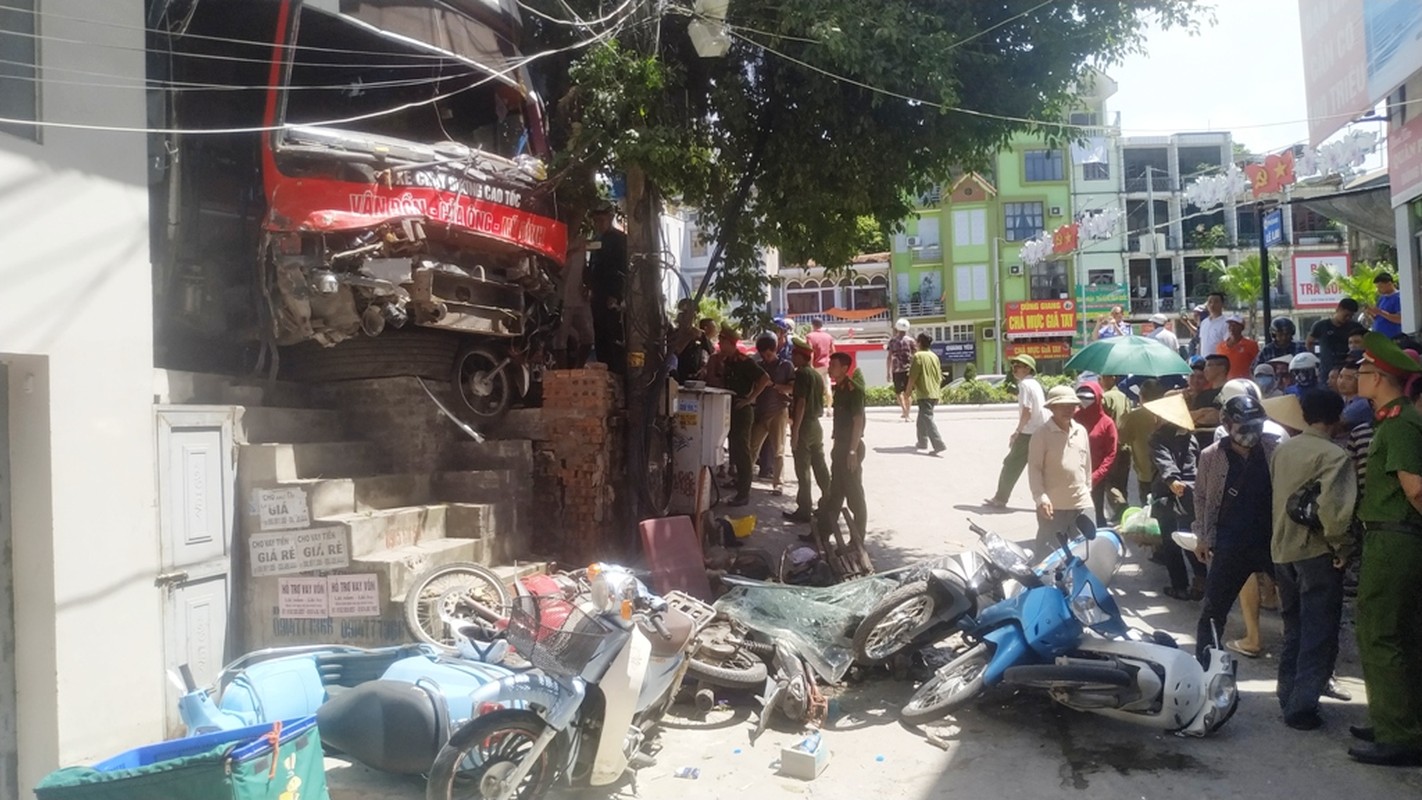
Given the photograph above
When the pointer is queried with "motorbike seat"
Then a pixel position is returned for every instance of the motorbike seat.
(391, 726)
(679, 625)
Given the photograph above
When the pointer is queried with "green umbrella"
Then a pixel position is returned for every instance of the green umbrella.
(1129, 355)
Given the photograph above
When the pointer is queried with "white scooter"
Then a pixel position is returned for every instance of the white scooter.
(1145, 680)
(608, 659)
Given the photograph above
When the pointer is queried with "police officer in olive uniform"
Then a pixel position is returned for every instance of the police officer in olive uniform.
(1390, 587)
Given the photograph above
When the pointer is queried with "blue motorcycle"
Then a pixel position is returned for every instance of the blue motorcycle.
(1045, 620)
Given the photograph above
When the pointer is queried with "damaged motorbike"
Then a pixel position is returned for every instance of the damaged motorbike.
(608, 658)
(934, 597)
(1067, 635)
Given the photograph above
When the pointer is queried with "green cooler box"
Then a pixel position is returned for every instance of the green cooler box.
(229, 765)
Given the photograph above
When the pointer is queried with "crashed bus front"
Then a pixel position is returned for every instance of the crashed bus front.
(400, 165)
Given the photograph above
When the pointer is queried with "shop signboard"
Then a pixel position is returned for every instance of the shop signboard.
(1307, 293)
(1040, 318)
(1099, 298)
(1049, 350)
(1404, 158)
(956, 352)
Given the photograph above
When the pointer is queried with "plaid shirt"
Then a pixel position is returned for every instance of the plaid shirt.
(1272, 350)
(900, 353)
(1212, 473)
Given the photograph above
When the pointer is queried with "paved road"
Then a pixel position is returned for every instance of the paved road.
(1008, 746)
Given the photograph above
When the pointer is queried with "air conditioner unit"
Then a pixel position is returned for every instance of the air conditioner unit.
(1055, 211)
(1015, 269)
(989, 334)
(915, 241)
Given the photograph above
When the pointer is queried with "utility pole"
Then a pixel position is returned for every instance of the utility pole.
(645, 331)
(997, 308)
(1150, 223)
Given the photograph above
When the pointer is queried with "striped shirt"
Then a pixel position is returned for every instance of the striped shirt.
(1358, 441)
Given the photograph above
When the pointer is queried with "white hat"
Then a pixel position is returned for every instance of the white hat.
(1235, 318)
(901, 325)
(1263, 368)
(1158, 319)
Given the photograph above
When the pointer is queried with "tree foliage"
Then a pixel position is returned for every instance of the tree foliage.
(1242, 284)
(1358, 285)
(774, 151)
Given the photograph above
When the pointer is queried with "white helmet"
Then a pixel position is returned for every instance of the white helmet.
(901, 325)
(1303, 361)
(1238, 388)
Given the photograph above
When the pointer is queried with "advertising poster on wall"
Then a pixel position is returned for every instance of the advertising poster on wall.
(1308, 294)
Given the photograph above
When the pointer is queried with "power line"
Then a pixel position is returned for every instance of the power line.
(265, 45)
(520, 63)
(178, 85)
(1009, 118)
(577, 22)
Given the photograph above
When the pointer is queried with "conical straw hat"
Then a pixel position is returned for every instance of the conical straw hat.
(1286, 411)
(1172, 409)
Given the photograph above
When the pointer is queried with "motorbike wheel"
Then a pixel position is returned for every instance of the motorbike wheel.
(1076, 677)
(482, 752)
(483, 388)
(950, 687)
(892, 623)
(446, 592)
(721, 658)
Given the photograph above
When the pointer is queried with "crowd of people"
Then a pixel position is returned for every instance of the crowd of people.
(1298, 470)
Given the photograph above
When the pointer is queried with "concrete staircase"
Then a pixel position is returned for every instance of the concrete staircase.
(307, 482)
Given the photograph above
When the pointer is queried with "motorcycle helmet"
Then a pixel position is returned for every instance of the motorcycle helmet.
(1239, 387)
(1304, 369)
(1244, 408)
(1243, 417)
(1283, 325)
(902, 324)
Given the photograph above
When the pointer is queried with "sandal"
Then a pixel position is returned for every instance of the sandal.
(1236, 646)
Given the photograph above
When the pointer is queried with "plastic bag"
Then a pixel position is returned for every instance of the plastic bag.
(1138, 524)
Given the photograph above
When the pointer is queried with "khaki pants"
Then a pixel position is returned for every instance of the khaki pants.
(824, 376)
(772, 427)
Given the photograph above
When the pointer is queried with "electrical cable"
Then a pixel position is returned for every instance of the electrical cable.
(150, 84)
(1009, 118)
(580, 22)
(210, 38)
(494, 75)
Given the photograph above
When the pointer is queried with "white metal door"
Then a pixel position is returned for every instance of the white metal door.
(9, 729)
(196, 496)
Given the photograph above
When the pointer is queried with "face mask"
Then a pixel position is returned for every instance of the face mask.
(1087, 401)
(1266, 382)
(1245, 438)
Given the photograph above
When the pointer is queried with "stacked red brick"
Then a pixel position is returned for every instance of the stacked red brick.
(583, 418)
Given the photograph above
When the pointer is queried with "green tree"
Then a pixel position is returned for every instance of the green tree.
(1358, 285)
(805, 126)
(1242, 284)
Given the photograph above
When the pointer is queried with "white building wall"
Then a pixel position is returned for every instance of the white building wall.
(76, 334)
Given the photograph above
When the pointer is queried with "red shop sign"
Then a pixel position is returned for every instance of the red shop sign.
(1041, 351)
(1041, 318)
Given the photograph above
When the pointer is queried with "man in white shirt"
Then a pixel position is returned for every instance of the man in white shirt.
(1032, 415)
(1163, 332)
(1213, 328)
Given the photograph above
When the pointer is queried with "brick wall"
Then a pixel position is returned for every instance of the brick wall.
(582, 457)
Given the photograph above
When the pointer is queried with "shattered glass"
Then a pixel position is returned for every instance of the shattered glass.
(817, 622)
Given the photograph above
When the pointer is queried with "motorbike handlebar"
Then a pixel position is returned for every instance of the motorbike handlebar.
(661, 628)
(973, 526)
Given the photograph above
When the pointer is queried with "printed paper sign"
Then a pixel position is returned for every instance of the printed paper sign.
(354, 595)
(281, 509)
(286, 552)
(302, 598)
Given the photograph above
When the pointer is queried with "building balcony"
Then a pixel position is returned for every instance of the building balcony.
(1157, 183)
(852, 318)
(914, 310)
(930, 254)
